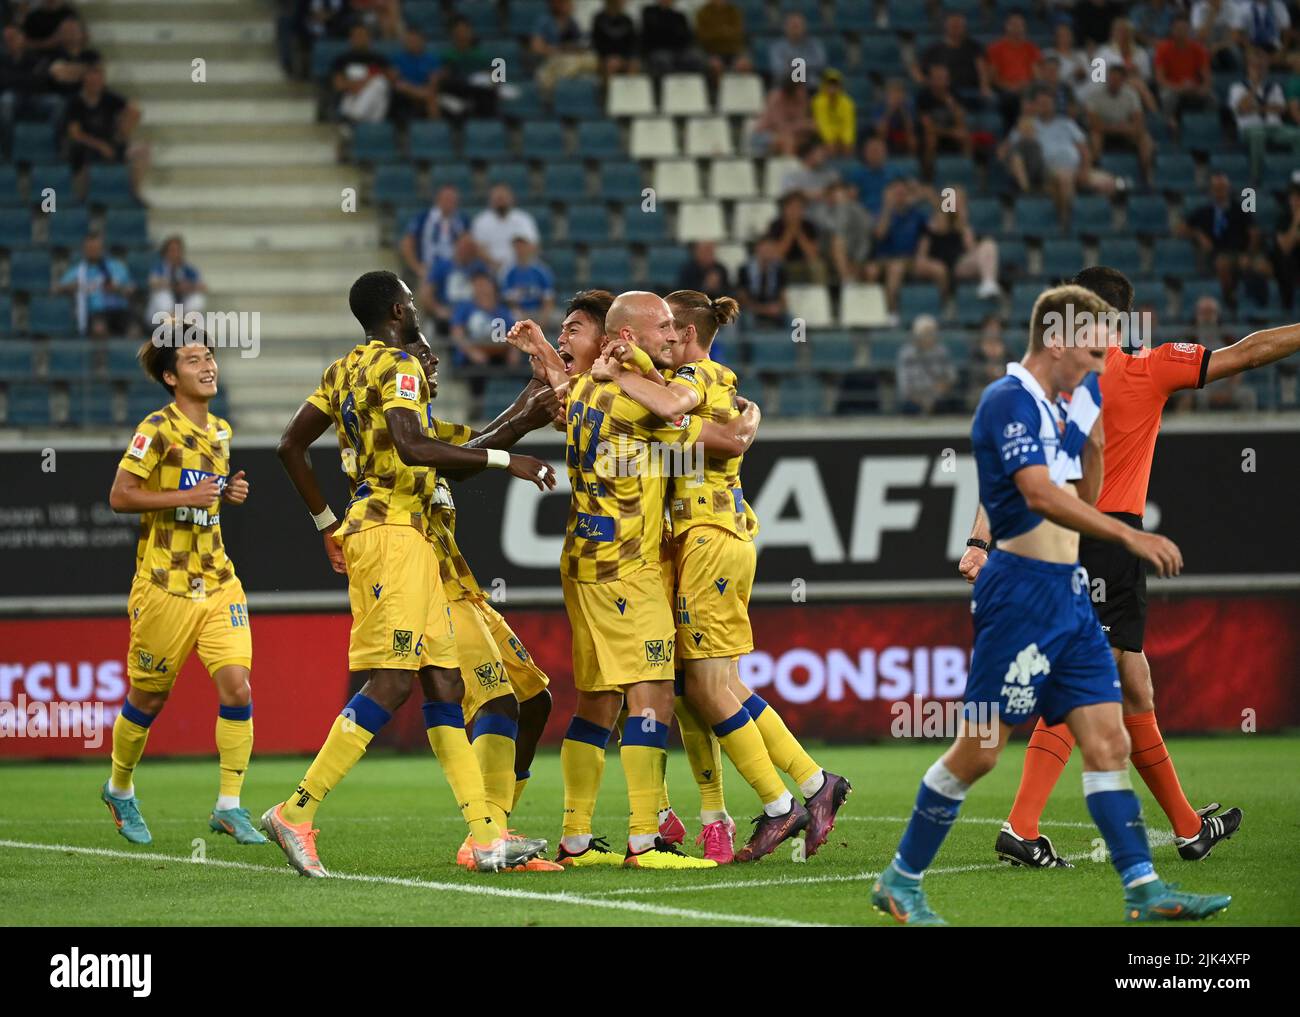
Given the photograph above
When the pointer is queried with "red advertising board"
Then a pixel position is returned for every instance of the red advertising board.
(834, 671)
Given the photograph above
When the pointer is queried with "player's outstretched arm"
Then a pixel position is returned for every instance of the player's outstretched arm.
(1051, 502)
(308, 424)
(415, 448)
(735, 436)
(1266, 346)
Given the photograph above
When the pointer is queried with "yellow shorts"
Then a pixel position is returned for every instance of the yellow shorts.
(166, 628)
(525, 676)
(715, 576)
(481, 666)
(398, 605)
(622, 631)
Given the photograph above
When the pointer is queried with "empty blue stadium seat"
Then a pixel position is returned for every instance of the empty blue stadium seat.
(110, 185)
(577, 99)
(834, 351)
(430, 140)
(645, 227)
(34, 142)
(514, 175)
(1092, 216)
(121, 361)
(563, 262)
(524, 104)
(1174, 258)
(396, 185)
(9, 186)
(15, 227)
(485, 140)
(1235, 164)
(90, 404)
(374, 143)
(55, 177)
(564, 182)
(599, 139)
(665, 263)
(609, 267)
(69, 359)
(1148, 215)
(921, 298)
(543, 140)
(621, 182)
(972, 309)
(1192, 290)
(15, 356)
(29, 271)
(28, 405)
(1175, 172)
(1202, 132)
(588, 225)
(51, 316)
(126, 227)
(954, 171)
(1061, 258)
(451, 174)
(1036, 217)
(800, 396)
(68, 227)
(773, 351)
(1122, 253)
(985, 216)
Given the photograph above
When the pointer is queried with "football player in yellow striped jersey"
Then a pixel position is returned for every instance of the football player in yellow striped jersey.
(613, 588)
(185, 596)
(713, 530)
(379, 396)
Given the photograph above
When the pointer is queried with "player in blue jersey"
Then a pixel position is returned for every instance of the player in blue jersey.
(1039, 648)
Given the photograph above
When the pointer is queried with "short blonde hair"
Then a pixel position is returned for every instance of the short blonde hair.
(1062, 302)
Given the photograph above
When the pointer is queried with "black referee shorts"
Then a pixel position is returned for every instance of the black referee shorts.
(1121, 598)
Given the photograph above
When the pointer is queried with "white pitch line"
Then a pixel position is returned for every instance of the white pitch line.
(576, 900)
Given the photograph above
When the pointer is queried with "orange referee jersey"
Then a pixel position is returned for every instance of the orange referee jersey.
(1134, 389)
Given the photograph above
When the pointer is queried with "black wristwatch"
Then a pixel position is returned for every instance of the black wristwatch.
(983, 545)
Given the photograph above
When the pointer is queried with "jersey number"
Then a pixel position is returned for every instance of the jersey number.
(578, 415)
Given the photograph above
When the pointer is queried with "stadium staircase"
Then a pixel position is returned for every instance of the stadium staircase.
(242, 169)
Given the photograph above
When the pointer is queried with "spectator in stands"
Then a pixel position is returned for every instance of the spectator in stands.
(529, 285)
(479, 326)
(557, 41)
(762, 285)
(942, 119)
(496, 227)
(797, 240)
(100, 125)
(873, 176)
(43, 21)
(1260, 23)
(925, 373)
(1259, 105)
(174, 283)
(720, 31)
(667, 40)
(988, 362)
(1048, 152)
(416, 82)
(835, 114)
(1212, 24)
(431, 235)
(363, 80)
(1076, 69)
(1093, 20)
(1049, 79)
(1226, 393)
(1116, 119)
(812, 176)
(904, 214)
(450, 281)
(845, 227)
(102, 288)
(1227, 237)
(968, 71)
(1123, 50)
(1153, 20)
(25, 85)
(1292, 88)
(465, 86)
(70, 58)
(894, 121)
(301, 23)
(1012, 62)
(1183, 71)
(1286, 248)
(949, 250)
(704, 272)
(614, 38)
(786, 121)
(796, 55)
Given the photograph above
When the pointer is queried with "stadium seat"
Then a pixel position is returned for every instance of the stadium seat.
(109, 185)
(485, 140)
(126, 227)
(833, 351)
(1148, 215)
(542, 215)
(15, 227)
(1061, 258)
(664, 265)
(1151, 293)
(676, 180)
(68, 227)
(543, 140)
(140, 263)
(1036, 217)
(1202, 132)
(1192, 290)
(396, 185)
(800, 396)
(29, 271)
(54, 177)
(683, 95)
(771, 351)
(563, 262)
(429, 141)
(1092, 216)
(732, 179)
(882, 54)
(27, 405)
(701, 220)
(34, 142)
(451, 174)
(588, 224)
(1235, 164)
(621, 182)
(374, 143)
(9, 195)
(752, 218)
(955, 171)
(708, 137)
(483, 19)
(1012, 256)
(1175, 172)
(919, 298)
(985, 216)
(1122, 253)
(1174, 258)
(609, 267)
(15, 355)
(884, 345)
(740, 95)
(90, 404)
(599, 140)
(775, 170)
(1023, 296)
(862, 305)
(577, 99)
(121, 361)
(640, 227)
(524, 104)
(972, 309)
(51, 316)
(630, 95)
(653, 138)
(68, 360)
(812, 303)
(564, 181)
(514, 175)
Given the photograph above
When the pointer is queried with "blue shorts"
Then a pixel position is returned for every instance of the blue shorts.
(1038, 645)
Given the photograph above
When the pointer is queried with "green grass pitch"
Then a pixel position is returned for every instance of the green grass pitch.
(391, 832)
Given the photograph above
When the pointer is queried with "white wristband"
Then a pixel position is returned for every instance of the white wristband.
(498, 458)
(324, 518)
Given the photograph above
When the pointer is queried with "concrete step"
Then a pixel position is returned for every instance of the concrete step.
(187, 30)
(242, 154)
(216, 91)
(126, 51)
(332, 175)
(270, 110)
(131, 76)
(358, 235)
(325, 261)
(289, 299)
(237, 133)
(165, 10)
(246, 194)
(288, 277)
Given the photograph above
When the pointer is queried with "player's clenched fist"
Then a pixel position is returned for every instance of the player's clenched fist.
(528, 468)
(202, 494)
(527, 336)
(971, 563)
(1161, 552)
(236, 489)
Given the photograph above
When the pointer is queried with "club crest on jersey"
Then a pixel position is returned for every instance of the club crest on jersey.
(401, 641)
(146, 661)
(490, 674)
(139, 445)
(408, 386)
